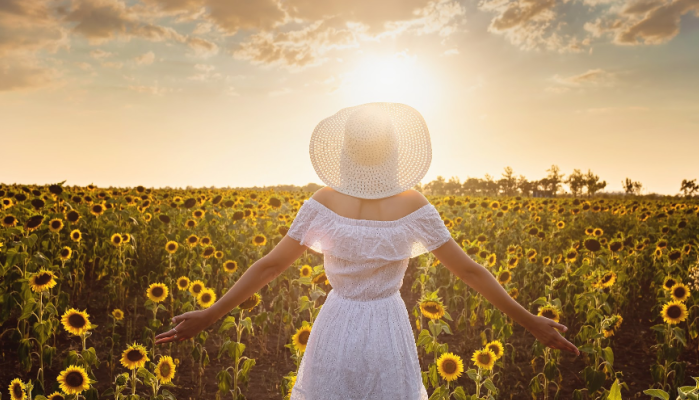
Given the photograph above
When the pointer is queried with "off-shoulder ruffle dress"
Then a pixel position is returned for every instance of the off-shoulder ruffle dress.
(361, 344)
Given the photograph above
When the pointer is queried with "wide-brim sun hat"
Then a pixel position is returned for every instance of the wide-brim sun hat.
(372, 150)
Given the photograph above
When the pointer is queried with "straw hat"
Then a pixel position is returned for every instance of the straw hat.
(371, 151)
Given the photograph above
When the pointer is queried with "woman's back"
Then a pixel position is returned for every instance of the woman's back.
(385, 209)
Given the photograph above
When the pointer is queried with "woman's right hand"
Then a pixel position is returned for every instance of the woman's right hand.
(543, 329)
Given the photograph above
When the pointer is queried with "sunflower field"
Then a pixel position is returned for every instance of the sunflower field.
(90, 275)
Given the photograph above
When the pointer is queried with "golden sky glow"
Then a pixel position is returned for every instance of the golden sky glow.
(227, 92)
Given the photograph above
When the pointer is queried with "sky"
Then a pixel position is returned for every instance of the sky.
(227, 92)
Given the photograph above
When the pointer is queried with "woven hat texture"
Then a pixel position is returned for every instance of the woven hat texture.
(372, 151)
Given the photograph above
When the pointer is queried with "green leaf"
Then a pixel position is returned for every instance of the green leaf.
(615, 391)
(459, 394)
(658, 393)
(488, 384)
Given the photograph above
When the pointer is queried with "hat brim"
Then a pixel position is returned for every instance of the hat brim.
(413, 140)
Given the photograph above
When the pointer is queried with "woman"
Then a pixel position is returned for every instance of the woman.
(368, 223)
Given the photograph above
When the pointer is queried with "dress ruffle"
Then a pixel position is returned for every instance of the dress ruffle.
(361, 240)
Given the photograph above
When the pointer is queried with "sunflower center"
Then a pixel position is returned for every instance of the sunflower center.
(670, 283)
(304, 337)
(674, 311)
(206, 298)
(495, 350)
(76, 321)
(171, 247)
(679, 292)
(449, 366)
(182, 283)
(165, 369)
(134, 355)
(431, 308)
(197, 288)
(157, 291)
(17, 391)
(65, 253)
(607, 278)
(484, 358)
(258, 239)
(42, 279)
(548, 313)
(74, 379)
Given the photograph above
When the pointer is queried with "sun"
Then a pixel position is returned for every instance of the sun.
(398, 77)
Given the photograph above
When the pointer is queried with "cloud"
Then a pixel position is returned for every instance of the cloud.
(155, 89)
(640, 22)
(450, 52)
(280, 92)
(25, 73)
(99, 53)
(145, 59)
(591, 78)
(206, 73)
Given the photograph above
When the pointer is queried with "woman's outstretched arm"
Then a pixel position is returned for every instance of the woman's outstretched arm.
(253, 279)
(480, 279)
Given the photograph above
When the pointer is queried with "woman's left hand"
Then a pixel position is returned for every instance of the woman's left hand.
(190, 324)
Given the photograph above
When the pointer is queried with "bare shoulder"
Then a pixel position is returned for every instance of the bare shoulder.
(323, 194)
(414, 198)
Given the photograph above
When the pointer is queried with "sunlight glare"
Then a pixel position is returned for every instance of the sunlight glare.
(396, 78)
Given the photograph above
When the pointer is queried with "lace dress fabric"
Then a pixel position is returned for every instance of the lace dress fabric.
(361, 344)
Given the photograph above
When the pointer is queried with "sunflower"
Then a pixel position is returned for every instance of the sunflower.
(75, 235)
(190, 223)
(65, 253)
(512, 262)
(157, 292)
(72, 216)
(320, 278)
(208, 251)
(496, 348)
(33, 222)
(301, 338)
(134, 357)
(17, 390)
(192, 240)
(680, 292)
(674, 312)
(259, 239)
(669, 282)
(250, 303)
(42, 280)
(183, 283)
(147, 217)
(611, 324)
(126, 238)
(97, 209)
(76, 322)
(205, 241)
(592, 244)
(7, 203)
(561, 224)
(73, 380)
(513, 292)
(55, 225)
(165, 370)
(196, 287)
(206, 298)
(504, 277)
(116, 239)
(450, 366)
(608, 279)
(491, 260)
(118, 314)
(484, 358)
(56, 396)
(171, 247)
(432, 309)
(9, 221)
(305, 271)
(230, 266)
(550, 312)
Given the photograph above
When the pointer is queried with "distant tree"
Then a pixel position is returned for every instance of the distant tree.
(489, 186)
(593, 183)
(472, 186)
(554, 180)
(437, 186)
(689, 188)
(453, 187)
(576, 182)
(508, 184)
(526, 187)
(632, 187)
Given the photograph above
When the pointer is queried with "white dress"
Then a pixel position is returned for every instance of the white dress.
(361, 344)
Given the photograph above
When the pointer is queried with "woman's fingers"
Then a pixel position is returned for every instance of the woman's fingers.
(166, 334)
